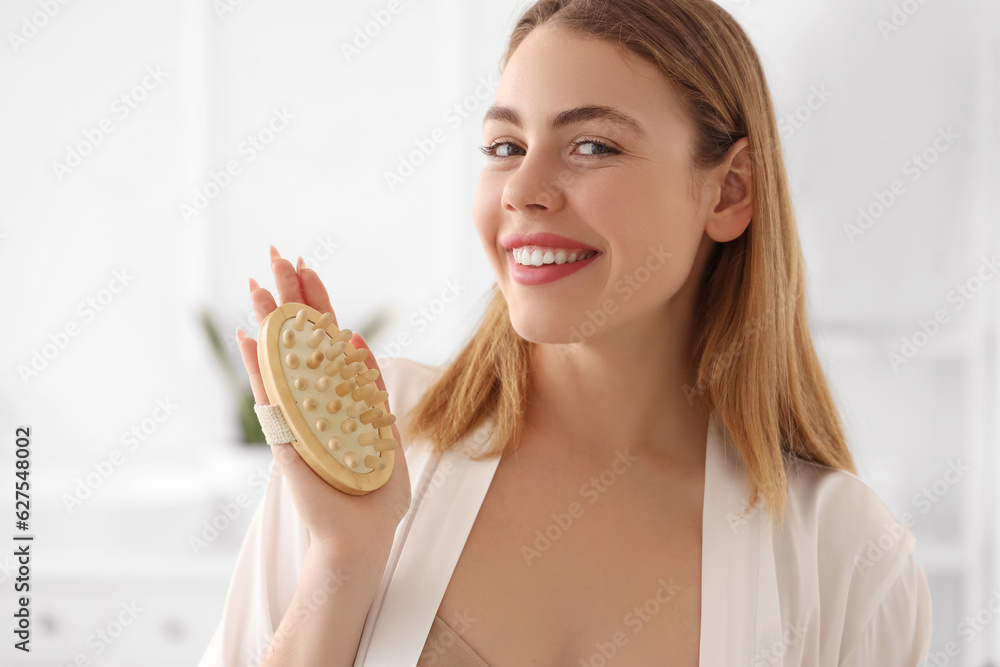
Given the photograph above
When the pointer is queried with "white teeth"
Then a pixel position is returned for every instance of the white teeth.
(533, 256)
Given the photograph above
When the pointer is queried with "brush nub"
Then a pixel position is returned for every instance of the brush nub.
(351, 370)
(375, 462)
(324, 321)
(334, 367)
(383, 421)
(357, 355)
(288, 338)
(377, 397)
(336, 350)
(364, 391)
(315, 338)
(385, 444)
(369, 375)
(300, 320)
(344, 336)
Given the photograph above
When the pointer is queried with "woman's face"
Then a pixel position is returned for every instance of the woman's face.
(620, 190)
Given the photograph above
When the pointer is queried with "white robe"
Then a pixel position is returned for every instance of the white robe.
(837, 586)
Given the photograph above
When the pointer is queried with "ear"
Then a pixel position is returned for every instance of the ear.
(732, 202)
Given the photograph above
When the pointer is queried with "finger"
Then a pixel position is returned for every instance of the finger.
(314, 291)
(294, 468)
(285, 279)
(248, 350)
(262, 301)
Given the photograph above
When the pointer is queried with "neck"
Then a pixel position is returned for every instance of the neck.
(630, 386)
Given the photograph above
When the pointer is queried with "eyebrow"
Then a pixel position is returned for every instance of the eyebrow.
(570, 116)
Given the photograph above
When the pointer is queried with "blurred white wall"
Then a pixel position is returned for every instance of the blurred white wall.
(117, 115)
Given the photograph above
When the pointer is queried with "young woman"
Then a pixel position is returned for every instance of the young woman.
(636, 459)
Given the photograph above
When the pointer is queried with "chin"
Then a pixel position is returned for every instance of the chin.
(542, 327)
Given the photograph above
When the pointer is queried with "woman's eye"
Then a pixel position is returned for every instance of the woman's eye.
(499, 149)
(597, 148)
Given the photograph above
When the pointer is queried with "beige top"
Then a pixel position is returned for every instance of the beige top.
(446, 648)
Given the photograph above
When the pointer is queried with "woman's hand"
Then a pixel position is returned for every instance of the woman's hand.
(340, 525)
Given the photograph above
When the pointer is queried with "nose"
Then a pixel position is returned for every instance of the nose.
(535, 185)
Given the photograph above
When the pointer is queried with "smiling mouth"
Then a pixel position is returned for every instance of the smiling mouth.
(541, 256)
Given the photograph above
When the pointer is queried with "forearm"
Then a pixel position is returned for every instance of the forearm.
(324, 621)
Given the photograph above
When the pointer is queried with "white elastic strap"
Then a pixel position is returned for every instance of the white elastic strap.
(272, 422)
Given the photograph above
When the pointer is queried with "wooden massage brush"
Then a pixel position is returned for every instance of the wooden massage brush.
(328, 398)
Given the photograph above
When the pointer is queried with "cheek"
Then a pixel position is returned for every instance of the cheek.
(486, 209)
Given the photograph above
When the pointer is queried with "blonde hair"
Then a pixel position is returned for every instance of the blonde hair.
(756, 366)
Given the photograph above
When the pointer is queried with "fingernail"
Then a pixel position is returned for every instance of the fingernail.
(274, 254)
(239, 334)
(253, 285)
(301, 265)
